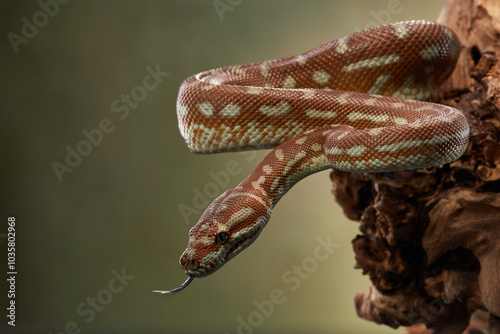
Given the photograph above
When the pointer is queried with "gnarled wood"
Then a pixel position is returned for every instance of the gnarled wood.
(430, 237)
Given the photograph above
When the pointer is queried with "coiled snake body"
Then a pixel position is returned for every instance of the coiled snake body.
(350, 104)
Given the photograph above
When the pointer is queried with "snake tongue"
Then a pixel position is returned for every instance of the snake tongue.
(182, 286)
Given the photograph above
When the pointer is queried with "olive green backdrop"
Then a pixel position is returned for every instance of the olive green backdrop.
(126, 206)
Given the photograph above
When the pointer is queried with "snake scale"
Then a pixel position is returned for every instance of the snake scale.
(355, 104)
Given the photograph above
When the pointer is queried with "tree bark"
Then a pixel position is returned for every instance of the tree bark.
(430, 238)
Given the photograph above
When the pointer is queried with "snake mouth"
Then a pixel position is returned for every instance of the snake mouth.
(235, 248)
(245, 238)
(243, 241)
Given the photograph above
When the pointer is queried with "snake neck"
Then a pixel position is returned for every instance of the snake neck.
(286, 165)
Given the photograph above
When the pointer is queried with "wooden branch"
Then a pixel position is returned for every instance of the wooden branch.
(431, 237)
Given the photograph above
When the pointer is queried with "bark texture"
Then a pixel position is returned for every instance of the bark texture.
(430, 239)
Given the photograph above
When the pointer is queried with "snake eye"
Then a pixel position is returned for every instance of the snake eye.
(221, 238)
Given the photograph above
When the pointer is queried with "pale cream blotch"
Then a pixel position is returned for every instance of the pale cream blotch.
(343, 98)
(257, 185)
(267, 169)
(301, 141)
(321, 114)
(398, 105)
(278, 153)
(289, 82)
(379, 83)
(430, 52)
(206, 108)
(308, 93)
(371, 63)
(375, 131)
(301, 60)
(230, 111)
(316, 147)
(281, 108)
(321, 77)
(255, 90)
(342, 46)
(209, 87)
(264, 69)
(400, 120)
(400, 29)
(370, 102)
(358, 116)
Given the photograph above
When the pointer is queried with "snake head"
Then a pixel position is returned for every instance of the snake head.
(229, 225)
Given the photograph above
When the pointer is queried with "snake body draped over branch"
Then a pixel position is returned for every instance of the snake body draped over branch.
(356, 104)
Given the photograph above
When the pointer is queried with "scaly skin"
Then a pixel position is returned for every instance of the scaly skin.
(320, 109)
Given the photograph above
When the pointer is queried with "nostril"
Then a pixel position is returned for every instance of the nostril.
(188, 262)
(184, 260)
(192, 265)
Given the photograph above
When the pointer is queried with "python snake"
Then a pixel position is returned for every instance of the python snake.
(354, 104)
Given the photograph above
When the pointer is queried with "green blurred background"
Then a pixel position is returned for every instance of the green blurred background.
(119, 208)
